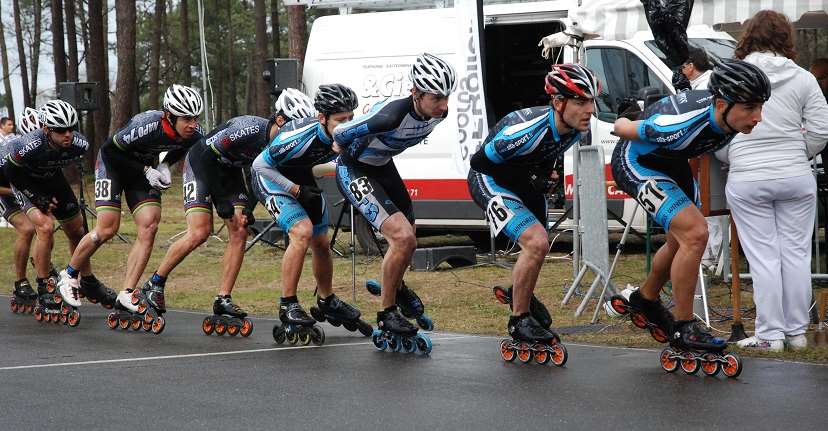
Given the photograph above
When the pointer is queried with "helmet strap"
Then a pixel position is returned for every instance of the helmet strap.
(724, 116)
(561, 113)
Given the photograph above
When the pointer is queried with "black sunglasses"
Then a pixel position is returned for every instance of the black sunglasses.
(62, 130)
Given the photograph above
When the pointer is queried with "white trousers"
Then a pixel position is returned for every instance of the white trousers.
(775, 222)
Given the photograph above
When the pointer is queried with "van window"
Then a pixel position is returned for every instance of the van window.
(716, 48)
(622, 75)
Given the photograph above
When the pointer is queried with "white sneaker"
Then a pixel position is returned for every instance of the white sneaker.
(626, 294)
(68, 288)
(125, 299)
(796, 342)
(757, 343)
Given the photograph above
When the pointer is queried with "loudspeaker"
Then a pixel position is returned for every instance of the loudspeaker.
(82, 95)
(281, 73)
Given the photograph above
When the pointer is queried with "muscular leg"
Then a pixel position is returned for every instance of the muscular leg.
(660, 272)
(322, 264)
(105, 228)
(233, 252)
(399, 233)
(534, 244)
(44, 229)
(198, 230)
(23, 244)
(73, 228)
(146, 219)
(294, 258)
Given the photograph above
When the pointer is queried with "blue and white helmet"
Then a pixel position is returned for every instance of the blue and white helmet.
(432, 74)
(58, 114)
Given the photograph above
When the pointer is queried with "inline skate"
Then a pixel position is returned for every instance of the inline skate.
(338, 312)
(96, 292)
(139, 309)
(24, 298)
(408, 302)
(693, 348)
(51, 307)
(295, 326)
(644, 314)
(395, 333)
(227, 317)
(530, 340)
(536, 308)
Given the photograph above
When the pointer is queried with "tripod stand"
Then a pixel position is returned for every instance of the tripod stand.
(352, 246)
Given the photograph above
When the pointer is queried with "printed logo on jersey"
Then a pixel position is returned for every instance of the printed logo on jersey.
(139, 132)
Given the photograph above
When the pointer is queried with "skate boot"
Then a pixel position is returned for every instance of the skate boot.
(69, 288)
(139, 308)
(51, 307)
(24, 298)
(644, 314)
(338, 312)
(536, 308)
(692, 347)
(395, 333)
(96, 292)
(227, 317)
(408, 302)
(295, 326)
(531, 340)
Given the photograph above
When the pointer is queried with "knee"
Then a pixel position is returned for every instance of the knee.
(301, 234)
(237, 231)
(536, 245)
(198, 236)
(696, 238)
(26, 231)
(104, 233)
(44, 230)
(404, 239)
(147, 231)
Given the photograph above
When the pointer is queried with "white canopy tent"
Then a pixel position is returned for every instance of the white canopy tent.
(621, 19)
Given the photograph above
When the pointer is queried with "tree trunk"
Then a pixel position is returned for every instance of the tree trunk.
(58, 47)
(250, 90)
(262, 94)
(72, 40)
(105, 18)
(125, 89)
(274, 23)
(21, 54)
(231, 51)
(6, 73)
(297, 33)
(186, 64)
(155, 53)
(38, 11)
(96, 72)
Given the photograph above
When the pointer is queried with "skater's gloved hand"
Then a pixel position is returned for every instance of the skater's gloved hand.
(46, 204)
(310, 197)
(164, 169)
(155, 178)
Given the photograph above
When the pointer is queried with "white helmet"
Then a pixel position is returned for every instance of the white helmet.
(29, 120)
(183, 101)
(294, 104)
(432, 74)
(58, 114)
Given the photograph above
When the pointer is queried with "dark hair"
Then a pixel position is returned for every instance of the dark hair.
(4, 120)
(767, 31)
(821, 64)
(699, 59)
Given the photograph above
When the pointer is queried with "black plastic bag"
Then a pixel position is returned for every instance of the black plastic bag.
(668, 21)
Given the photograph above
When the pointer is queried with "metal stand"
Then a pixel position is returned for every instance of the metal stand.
(213, 235)
(618, 250)
(352, 245)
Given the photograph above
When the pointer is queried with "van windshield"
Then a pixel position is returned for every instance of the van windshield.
(716, 48)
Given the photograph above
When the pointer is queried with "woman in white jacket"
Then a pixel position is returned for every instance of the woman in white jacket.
(771, 189)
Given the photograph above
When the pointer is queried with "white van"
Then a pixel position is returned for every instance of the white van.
(371, 52)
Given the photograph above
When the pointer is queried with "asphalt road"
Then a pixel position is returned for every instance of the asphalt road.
(91, 377)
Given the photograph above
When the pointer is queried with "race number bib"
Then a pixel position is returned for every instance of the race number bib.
(498, 215)
(651, 197)
(190, 191)
(103, 189)
(272, 207)
(360, 188)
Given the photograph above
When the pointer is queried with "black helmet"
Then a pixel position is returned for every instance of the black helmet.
(334, 98)
(738, 81)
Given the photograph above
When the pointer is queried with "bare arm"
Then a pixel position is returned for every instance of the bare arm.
(626, 129)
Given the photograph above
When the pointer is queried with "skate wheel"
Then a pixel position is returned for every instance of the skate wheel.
(64, 309)
(221, 327)
(58, 299)
(668, 361)
(374, 287)
(425, 322)
(407, 345)
(146, 326)
(349, 326)
(378, 340)
(423, 344)
(317, 335)
(64, 318)
(336, 323)
(38, 315)
(305, 337)
(524, 353)
(148, 318)
(233, 330)
(92, 300)
(394, 343)
(54, 317)
(291, 337)
(733, 365)
(135, 298)
(29, 309)
(559, 355)
(638, 320)
(318, 315)
(542, 356)
(618, 304)
(207, 326)
(501, 295)
(158, 325)
(142, 308)
(112, 321)
(709, 365)
(136, 324)
(278, 334)
(506, 352)
(658, 334)
(246, 328)
(365, 329)
(13, 306)
(690, 364)
(123, 323)
(73, 319)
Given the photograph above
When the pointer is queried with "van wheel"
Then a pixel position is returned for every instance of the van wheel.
(482, 242)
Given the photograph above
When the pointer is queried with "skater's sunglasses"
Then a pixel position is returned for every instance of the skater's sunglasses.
(62, 130)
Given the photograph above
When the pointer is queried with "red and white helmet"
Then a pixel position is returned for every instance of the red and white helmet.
(572, 81)
(29, 121)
